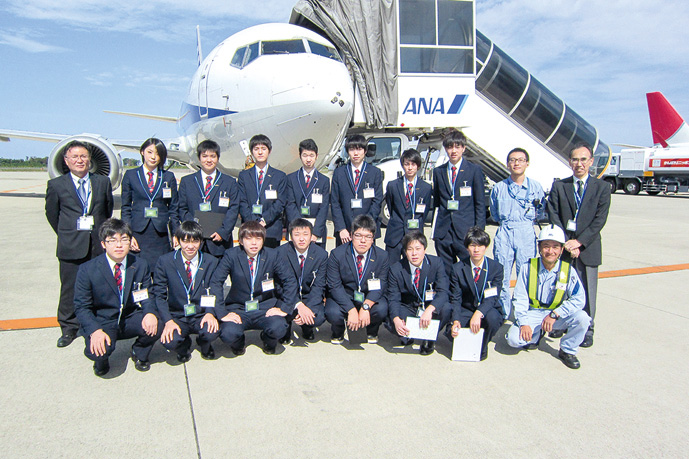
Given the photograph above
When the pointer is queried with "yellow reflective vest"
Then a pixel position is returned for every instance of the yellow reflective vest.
(560, 287)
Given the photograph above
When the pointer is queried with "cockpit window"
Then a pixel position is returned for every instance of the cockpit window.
(325, 51)
(283, 47)
(252, 53)
(238, 58)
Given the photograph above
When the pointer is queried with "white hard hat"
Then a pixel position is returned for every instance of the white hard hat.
(552, 233)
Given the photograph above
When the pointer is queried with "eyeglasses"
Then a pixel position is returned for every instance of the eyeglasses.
(77, 157)
(123, 241)
(365, 237)
(516, 161)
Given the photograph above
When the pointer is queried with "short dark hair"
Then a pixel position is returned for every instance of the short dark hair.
(518, 150)
(413, 236)
(308, 144)
(252, 228)
(356, 141)
(208, 145)
(477, 236)
(159, 146)
(75, 144)
(260, 139)
(300, 223)
(113, 226)
(411, 155)
(581, 145)
(365, 222)
(189, 230)
(454, 137)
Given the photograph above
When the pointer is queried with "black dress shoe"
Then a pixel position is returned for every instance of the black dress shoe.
(210, 355)
(101, 370)
(570, 360)
(141, 365)
(308, 334)
(427, 347)
(287, 338)
(588, 341)
(66, 339)
(268, 350)
(183, 358)
(557, 334)
(484, 356)
(239, 351)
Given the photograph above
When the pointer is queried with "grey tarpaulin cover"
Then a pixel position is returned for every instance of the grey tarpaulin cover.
(365, 32)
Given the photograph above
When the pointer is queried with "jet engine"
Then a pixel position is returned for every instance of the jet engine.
(105, 158)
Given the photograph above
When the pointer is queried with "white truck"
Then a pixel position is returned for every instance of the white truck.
(653, 170)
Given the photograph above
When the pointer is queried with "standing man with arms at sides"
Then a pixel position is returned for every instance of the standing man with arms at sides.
(549, 296)
(308, 192)
(409, 201)
(357, 280)
(149, 202)
(308, 263)
(76, 205)
(209, 190)
(458, 193)
(516, 204)
(580, 205)
(181, 289)
(112, 300)
(474, 290)
(263, 192)
(418, 287)
(263, 291)
(357, 190)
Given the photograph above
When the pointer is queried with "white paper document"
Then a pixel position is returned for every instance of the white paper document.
(467, 346)
(416, 332)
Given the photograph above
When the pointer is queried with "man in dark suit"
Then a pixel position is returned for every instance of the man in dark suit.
(112, 300)
(357, 280)
(182, 294)
(475, 290)
(308, 192)
(209, 190)
(409, 202)
(458, 194)
(418, 287)
(580, 205)
(357, 190)
(308, 263)
(76, 205)
(263, 191)
(254, 300)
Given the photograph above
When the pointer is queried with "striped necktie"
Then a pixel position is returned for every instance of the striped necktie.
(209, 185)
(151, 183)
(417, 274)
(410, 188)
(477, 274)
(118, 276)
(301, 262)
(188, 263)
(359, 265)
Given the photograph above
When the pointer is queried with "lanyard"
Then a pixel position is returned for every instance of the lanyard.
(145, 187)
(351, 180)
(203, 194)
(449, 176)
(193, 279)
(578, 199)
(523, 202)
(305, 193)
(480, 297)
(259, 188)
(253, 276)
(363, 272)
(85, 204)
(424, 282)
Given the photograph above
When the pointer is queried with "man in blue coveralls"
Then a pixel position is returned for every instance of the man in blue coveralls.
(516, 204)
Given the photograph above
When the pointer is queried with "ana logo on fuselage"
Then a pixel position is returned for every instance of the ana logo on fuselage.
(431, 106)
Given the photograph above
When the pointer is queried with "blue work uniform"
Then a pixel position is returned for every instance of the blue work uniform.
(571, 314)
(511, 206)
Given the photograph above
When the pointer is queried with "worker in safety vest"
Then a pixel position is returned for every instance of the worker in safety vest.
(549, 296)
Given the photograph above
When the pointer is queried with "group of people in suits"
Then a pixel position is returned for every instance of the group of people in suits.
(358, 285)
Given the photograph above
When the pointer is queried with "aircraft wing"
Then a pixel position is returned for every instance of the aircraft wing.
(6, 135)
(626, 145)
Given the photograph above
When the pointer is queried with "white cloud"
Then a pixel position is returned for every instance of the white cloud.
(21, 41)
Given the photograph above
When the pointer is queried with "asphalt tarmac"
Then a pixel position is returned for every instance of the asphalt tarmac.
(628, 399)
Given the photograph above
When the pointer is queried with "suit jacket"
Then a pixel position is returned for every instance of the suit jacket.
(272, 208)
(343, 193)
(63, 209)
(136, 197)
(235, 264)
(190, 198)
(343, 275)
(396, 198)
(401, 293)
(591, 219)
(97, 299)
(169, 287)
(312, 290)
(463, 293)
(296, 188)
(472, 209)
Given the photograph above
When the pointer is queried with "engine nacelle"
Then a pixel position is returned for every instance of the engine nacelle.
(105, 158)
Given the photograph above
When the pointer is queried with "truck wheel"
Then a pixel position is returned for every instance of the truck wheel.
(612, 183)
(384, 214)
(632, 187)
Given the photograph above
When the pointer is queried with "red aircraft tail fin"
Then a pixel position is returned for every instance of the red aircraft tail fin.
(667, 126)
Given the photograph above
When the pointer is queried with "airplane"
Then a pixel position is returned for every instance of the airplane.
(280, 80)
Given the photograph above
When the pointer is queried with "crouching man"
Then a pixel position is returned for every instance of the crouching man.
(549, 296)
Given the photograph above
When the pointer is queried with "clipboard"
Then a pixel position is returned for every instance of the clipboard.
(211, 222)
(467, 346)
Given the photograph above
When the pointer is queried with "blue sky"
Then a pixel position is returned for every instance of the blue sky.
(65, 62)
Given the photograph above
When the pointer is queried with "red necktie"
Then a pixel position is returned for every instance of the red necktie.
(356, 178)
(260, 179)
(477, 274)
(209, 185)
(118, 276)
(417, 274)
(308, 180)
(151, 184)
(410, 187)
(188, 271)
(454, 175)
(251, 266)
(359, 265)
(301, 262)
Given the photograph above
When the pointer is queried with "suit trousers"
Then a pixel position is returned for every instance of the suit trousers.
(576, 326)
(450, 248)
(190, 325)
(129, 327)
(337, 316)
(273, 328)
(65, 309)
(318, 311)
(443, 315)
(589, 277)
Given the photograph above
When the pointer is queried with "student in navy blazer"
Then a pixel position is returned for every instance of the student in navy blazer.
(417, 287)
(308, 192)
(357, 279)
(308, 264)
(254, 300)
(357, 189)
(209, 190)
(460, 205)
(112, 300)
(475, 287)
(181, 279)
(149, 202)
(409, 202)
(263, 191)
